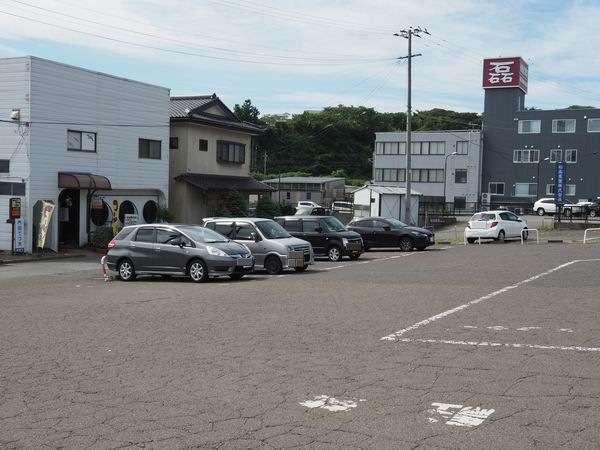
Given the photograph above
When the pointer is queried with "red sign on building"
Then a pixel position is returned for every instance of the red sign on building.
(505, 73)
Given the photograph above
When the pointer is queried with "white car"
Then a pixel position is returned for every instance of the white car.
(548, 206)
(342, 207)
(307, 203)
(497, 225)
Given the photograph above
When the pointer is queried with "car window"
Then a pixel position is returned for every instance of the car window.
(203, 234)
(125, 232)
(245, 232)
(505, 216)
(310, 226)
(293, 225)
(226, 229)
(210, 225)
(332, 224)
(145, 235)
(484, 217)
(395, 223)
(364, 224)
(272, 230)
(512, 217)
(379, 224)
(166, 236)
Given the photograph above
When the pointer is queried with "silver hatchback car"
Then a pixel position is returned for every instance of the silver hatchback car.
(188, 250)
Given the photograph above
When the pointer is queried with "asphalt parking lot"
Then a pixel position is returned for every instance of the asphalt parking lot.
(491, 346)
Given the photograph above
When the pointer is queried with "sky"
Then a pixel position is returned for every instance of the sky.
(289, 56)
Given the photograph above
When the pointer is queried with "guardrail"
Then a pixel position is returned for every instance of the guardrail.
(529, 230)
(585, 234)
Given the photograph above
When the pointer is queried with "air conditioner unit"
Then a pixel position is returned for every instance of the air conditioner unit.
(486, 198)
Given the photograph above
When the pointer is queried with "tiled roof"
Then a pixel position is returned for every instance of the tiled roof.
(179, 105)
(211, 182)
(311, 180)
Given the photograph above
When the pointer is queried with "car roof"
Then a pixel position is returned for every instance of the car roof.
(302, 217)
(236, 219)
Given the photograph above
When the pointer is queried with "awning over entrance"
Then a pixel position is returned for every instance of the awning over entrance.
(224, 183)
(77, 180)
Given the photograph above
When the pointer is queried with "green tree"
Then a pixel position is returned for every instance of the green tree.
(265, 207)
(236, 204)
(247, 112)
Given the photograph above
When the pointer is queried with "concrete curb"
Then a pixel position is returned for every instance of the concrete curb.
(39, 259)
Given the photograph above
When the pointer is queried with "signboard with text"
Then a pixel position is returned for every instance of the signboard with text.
(19, 236)
(505, 73)
(130, 219)
(14, 208)
(559, 183)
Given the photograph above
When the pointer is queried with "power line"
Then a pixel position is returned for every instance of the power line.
(90, 124)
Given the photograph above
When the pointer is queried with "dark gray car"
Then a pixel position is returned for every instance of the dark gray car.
(188, 250)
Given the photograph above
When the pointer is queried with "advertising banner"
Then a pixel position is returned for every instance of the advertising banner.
(47, 210)
(130, 219)
(19, 236)
(505, 73)
(14, 208)
(559, 184)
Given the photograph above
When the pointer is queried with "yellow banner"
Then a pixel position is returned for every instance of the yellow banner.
(47, 210)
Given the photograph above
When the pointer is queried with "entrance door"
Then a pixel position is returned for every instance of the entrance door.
(68, 216)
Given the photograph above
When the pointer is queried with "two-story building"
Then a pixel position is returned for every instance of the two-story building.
(210, 156)
(321, 190)
(92, 145)
(445, 165)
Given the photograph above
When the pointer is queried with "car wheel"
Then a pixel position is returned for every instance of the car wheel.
(540, 211)
(593, 213)
(197, 271)
(273, 265)
(525, 234)
(126, 270)
(334, 253)
(301, 269)
(501, 236)
(237, 276)
(471, 240)
(406, 244)
(354, 255)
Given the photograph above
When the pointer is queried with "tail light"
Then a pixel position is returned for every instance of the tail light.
(493, 225)
(111, 244)
(468, 224)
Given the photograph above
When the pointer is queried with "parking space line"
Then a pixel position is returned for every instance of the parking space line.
(397, 334)
(500, 344)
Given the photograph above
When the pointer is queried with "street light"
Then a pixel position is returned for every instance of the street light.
(537, 180)
(445, 170)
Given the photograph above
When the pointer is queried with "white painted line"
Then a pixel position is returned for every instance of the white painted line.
(528, 328)
(330, 403)
(397, 334)
(467, 416)
(499, 344)
(565, 330)
(497, 328)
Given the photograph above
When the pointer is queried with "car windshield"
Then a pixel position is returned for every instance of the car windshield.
(272, 230)
(333, 224)
(395, 223)
(304, 211)
(483, 217)
(205, 235)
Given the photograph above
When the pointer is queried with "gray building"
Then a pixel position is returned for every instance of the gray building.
(521, 146)
(446, 165)
(321, 190)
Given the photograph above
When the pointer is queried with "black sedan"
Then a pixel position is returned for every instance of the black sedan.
(378, 232)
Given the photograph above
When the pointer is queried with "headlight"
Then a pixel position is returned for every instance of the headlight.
(416, 233)
(345, 242)
(215, 251)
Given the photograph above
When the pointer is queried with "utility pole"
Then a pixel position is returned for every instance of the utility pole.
(408, 34)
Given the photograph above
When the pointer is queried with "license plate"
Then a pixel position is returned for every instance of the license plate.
(354, 247)
(246, 262)
(431, 239)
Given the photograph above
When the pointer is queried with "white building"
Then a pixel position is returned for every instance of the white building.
(385, 201)
(82, 140)
(446, 165)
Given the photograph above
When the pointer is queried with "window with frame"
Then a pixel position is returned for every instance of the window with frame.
(309, 195)
(555, 155)
(81, 141)
(496, 188)
(530, 126)
(231, 152)
(149, 149)
(462, 147)
(4, 165)
(526, 156)
(593, 125)
(460, 176)
(288, 195)
(390, 175)
(173, 143)
(460, 202)
(525, 189)
(245, 232)
(7, 188)
(203, 145)
(293, 225)
(570, 189)
(571, 156)
(563, 126)
(427, 175)
(145, 235)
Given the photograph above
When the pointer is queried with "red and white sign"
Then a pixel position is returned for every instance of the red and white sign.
(505, 73)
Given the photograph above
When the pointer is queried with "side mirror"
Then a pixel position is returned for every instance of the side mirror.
(519, 219)
(255, 237)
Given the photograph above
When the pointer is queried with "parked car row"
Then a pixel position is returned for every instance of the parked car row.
(234, 247)
(548, 206)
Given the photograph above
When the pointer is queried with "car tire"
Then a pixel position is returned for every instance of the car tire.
(406, 244)
(126, 270)
(301, 269)
(471, 240)
(501, 236)
(273, 265)
(334, 253)
(525, 234)
(197, 271)
(540, 211)
(237, 276)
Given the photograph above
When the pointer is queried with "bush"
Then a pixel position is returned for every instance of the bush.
(287, 209)
(236, 204)
(265, 208)
(101, 237)
(164, 215)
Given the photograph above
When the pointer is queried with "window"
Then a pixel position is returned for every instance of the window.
(555, 155)
(245, 232)
(4, 165)
(203, 145)
(149, 212)
(563, 126)
(379, 148)
(12, 188)
(390, 175)
(166, 236)
(460, 202)
(460, 176)
(226, 229)
(145, 235)
(415, 148)
(462, 147)
(496, 188)
(569, 189)
(310, 226)
(571, 155)
(428, 148)
(525, 189)
(293, 225)
(82, 141)
(390, 148)
(593, 126)
(526, 156)
(174, 143)
(437, 148)
(309, 196)
(530, 126)
(99, 216)
(149, 149)
(126, 208)
(428, 175)
(288, 195)
(232, 152)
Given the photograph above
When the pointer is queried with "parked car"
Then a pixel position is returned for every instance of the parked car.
(189, 250)
(307, 203)
(311, 211)
(497, 225)
(378, 232)
(342, 207)
(548, 206)
(327, 235)
(589, 208)
(272, 246)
